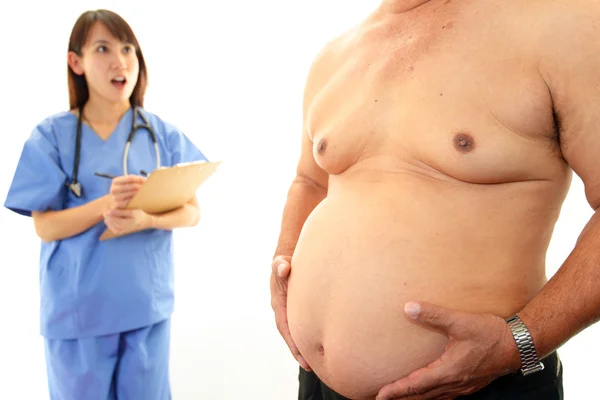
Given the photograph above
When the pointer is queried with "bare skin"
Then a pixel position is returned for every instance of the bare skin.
(63, 224)
(439, 142)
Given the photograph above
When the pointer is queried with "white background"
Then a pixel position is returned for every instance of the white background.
(231, 75)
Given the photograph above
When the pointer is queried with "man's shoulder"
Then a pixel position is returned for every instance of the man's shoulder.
(567, 16)
(569, 7)
(334, 47)
(566, 31)
(328, 58)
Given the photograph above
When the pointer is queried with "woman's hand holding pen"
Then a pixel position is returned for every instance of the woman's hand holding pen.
(123, 189)
(117, 218)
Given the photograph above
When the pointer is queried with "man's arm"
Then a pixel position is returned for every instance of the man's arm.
(307, 190)
(309, 187)
(570, 301)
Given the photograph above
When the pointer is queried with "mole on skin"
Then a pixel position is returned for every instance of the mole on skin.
(322, 146)
(464, 142)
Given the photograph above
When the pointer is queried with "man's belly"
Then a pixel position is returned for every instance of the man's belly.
(364, 253)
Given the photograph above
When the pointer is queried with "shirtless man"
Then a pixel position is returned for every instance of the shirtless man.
(438, 146)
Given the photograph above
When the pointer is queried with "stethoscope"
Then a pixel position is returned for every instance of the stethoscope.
(75, 185)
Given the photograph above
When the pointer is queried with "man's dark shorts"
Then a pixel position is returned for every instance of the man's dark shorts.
(542, 385)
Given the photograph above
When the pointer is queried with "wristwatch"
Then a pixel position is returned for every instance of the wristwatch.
(530, 362)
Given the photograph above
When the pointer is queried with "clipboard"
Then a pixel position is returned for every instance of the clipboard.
(168, 188)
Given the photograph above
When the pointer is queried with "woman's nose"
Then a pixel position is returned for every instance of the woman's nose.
(119, 61)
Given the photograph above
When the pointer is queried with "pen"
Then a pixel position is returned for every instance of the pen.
(100, 174)
(104, 175)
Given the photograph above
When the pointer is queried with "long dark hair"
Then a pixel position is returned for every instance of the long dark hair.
(118, 27)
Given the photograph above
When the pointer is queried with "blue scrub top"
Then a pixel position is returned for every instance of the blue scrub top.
(91, 288)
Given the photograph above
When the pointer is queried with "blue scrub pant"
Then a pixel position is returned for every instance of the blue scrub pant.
(132, 365)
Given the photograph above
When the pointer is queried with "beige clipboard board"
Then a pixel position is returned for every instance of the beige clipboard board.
(168, 188)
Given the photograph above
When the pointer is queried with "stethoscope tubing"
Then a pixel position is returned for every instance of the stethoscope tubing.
(75, 185)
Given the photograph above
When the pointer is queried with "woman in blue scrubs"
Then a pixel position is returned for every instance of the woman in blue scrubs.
(105, 305)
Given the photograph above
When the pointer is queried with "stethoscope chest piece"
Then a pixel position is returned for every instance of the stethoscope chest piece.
(75, 188)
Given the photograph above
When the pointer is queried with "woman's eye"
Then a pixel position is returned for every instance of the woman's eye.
(128, 49)
(102, 49)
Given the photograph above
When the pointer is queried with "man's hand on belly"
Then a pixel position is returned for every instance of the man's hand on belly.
(280, 271)
(480, 349)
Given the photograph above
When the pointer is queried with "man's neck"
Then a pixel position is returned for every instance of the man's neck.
(401, 6)
(100, 111)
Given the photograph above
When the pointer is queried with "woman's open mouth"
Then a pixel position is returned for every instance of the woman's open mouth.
(119, 82)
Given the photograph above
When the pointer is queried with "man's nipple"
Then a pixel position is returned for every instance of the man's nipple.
(464, 142)
(322, 146)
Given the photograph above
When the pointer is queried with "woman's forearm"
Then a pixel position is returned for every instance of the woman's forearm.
(57, 225)
(184, 216)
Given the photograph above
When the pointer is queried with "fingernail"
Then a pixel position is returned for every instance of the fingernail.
(412, 310)
(280, 268)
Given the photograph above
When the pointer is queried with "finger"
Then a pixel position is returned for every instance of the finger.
(124, 179)
(124, 189)
(121, 182)
(121, 213)
(418, 382)
(123, 196)
(281, 268)
(112, 225)
(121, 204)
(125, 193)
(432, 315)
(281, 258)
(116, 218)
(431, 395)
(122, 201)
(284, 330)
(436, 394)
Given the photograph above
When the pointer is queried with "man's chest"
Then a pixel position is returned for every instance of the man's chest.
(472, 107)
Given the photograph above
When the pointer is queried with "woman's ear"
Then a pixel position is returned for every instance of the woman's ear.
(74, 61)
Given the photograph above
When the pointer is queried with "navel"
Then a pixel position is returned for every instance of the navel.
(322, 146)
(464, 142)
(321, 350)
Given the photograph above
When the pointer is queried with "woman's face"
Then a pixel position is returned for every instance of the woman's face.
(110, 67)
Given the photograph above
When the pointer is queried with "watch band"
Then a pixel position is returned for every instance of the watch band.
(530, 362)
